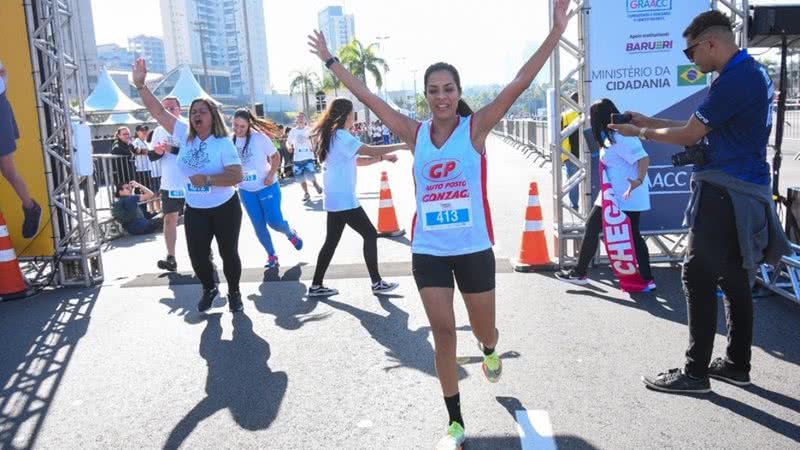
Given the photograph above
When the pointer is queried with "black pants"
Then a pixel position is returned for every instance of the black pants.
(714, 259)
(591, 238)
(222, 223)
(357, 220)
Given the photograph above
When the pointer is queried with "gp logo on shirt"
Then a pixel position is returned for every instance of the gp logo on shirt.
(442, 170)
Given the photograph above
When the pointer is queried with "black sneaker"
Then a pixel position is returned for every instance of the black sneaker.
(307, 197)
(321, 291)
(207, 299)
(319, 189)
(235, 301)
(677, 382)
(383, 287)
(720, 369)
(573, 277)
(33, 217)
(169, 264)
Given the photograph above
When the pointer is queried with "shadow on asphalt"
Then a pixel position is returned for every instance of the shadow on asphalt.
(404, 347)
(774, 323)
(287, 301)
(788, 429)
(400, 240)
(128, 241)
(239, 378)
(38, 340)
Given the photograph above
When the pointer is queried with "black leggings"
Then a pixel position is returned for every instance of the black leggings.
(222, 223)
(591, 238)
(358, 221)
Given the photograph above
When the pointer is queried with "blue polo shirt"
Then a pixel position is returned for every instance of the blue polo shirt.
(738, 109)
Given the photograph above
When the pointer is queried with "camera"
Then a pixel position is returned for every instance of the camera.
(618, 119)
(693, 154)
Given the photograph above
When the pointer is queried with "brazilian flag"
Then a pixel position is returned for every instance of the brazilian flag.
(690, 75)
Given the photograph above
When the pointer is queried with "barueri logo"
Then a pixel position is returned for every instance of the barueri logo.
(690, 75)
(635, 6)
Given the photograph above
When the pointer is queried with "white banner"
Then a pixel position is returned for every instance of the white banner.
(636, 53)
(637, 61)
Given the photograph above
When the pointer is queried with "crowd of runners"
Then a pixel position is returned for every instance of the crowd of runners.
(208, 173)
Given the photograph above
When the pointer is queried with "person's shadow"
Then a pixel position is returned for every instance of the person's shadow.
(239, 379)
(287, 301)
(404, 347)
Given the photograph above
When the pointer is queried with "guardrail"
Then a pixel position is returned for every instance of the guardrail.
(783, 278)
(109, 170)
(527, 135)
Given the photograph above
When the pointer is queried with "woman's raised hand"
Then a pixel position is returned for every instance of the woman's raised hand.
(560, 16)
(318, 46)
(139, 72)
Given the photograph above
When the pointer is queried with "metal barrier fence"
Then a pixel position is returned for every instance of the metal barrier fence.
(791, 129)
(109, 171)
(528, 135)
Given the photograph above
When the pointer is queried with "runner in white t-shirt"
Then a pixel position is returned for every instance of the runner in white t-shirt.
(302, 150)
(260, 191)
(209, 160)
(340, 154)
(452, 239)
(171, 189)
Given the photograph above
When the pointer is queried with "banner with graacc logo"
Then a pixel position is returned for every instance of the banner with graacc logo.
(637, 61)
(28, 156)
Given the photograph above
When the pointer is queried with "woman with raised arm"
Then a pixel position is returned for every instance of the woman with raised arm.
(340, 154)
(452, 231)
(209, 160)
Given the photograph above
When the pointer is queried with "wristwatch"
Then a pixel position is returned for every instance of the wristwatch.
(643, 133)
(331, 62)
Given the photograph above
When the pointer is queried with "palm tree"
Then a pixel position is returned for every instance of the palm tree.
(305, 82)
(331, 83)
(360, 60)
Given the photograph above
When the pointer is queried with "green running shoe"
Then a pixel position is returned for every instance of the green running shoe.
(454, 439)
(492, 367)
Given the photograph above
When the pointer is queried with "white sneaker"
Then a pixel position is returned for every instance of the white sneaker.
(383, 287)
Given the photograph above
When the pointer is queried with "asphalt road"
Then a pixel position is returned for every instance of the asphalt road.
(131, 365)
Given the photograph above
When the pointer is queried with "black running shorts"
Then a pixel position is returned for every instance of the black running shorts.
(171, 205)
(474, 272)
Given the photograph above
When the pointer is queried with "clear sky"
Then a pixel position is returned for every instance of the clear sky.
(486, 44)
(487, 40)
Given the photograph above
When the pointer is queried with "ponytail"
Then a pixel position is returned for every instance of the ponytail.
(463, 108)
(263, 126)
(334, 118)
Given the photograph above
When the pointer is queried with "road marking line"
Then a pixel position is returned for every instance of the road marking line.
(535, 430)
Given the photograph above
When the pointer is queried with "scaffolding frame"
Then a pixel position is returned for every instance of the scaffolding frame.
(77, 260)
(672, 243)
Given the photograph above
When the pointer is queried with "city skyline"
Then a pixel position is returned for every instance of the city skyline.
(411, 27)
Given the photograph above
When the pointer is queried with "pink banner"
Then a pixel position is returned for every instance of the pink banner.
(618, 239)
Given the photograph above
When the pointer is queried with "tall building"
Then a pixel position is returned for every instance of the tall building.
(114, 57)
(85, 44)
(339, 28)
(152, 49)
(219, 34)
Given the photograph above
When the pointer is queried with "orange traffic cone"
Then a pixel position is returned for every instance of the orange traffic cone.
(12, 283)
(387, 219)
(533, 252)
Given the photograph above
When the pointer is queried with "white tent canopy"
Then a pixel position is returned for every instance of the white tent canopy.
(121, 119)
(187, 88)
(107, 97)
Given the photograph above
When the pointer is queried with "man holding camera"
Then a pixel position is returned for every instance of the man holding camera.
(731, 215)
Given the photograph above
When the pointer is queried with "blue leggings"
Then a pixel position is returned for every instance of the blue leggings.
(264, 208)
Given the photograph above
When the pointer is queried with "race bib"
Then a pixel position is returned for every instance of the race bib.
(197, 189)
(176, 194)
(448, 214)
(250, 176)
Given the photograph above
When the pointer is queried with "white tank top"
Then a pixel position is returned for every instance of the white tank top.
(453, 215)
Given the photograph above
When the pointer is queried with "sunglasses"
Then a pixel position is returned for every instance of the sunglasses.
(689, 51)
